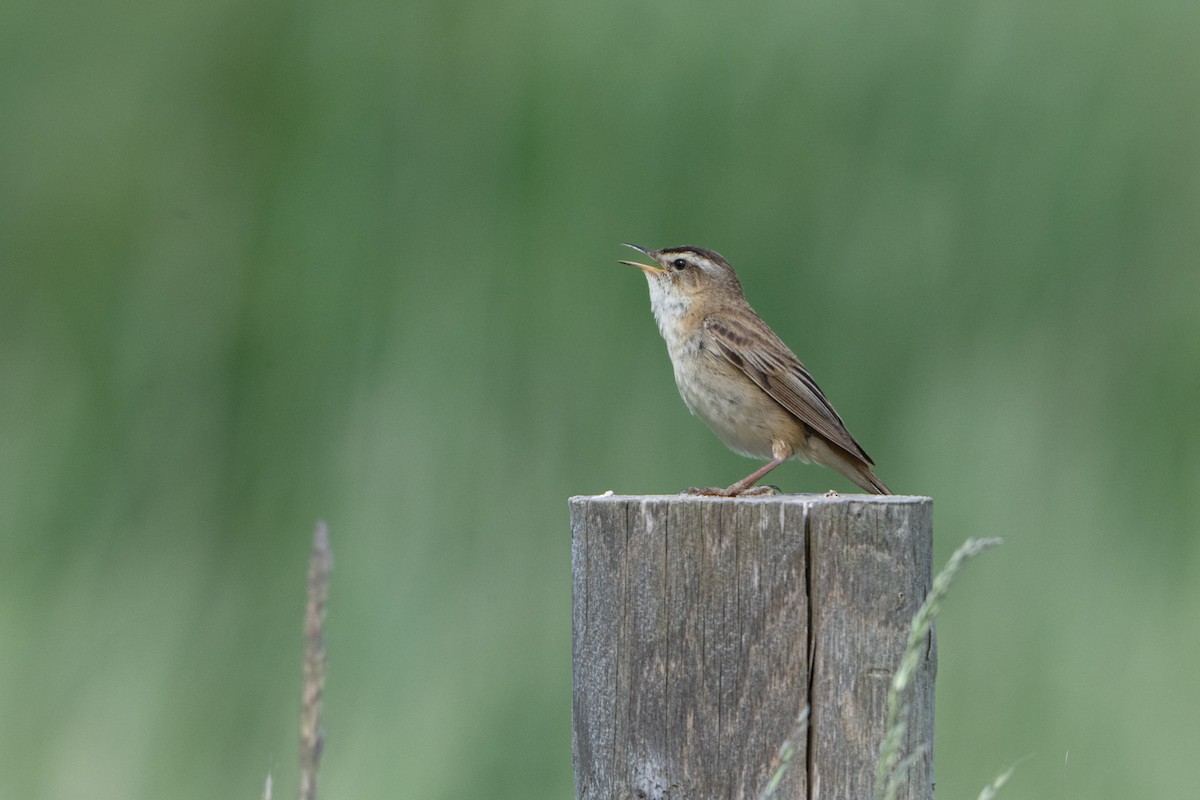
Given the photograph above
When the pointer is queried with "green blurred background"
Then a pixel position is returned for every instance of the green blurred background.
(264, 263)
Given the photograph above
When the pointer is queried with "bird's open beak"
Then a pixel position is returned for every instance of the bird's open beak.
(646, 268)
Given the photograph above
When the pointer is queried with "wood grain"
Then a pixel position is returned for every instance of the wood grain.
(703, 627)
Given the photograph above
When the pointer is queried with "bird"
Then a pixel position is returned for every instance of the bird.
(737, 375)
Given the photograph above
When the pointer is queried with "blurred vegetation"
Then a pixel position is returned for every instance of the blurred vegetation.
(267, 262)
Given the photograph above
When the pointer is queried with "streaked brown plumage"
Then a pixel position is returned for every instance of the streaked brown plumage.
(739, 377)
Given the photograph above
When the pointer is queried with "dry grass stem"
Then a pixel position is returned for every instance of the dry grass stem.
(890, 771)
(312, 738)
(786, 752)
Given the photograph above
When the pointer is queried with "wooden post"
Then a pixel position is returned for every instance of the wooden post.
(703, 627)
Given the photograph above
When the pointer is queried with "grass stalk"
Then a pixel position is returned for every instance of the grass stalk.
(312, 737)
(890, 771)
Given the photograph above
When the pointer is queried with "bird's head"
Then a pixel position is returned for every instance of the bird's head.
(687, 273)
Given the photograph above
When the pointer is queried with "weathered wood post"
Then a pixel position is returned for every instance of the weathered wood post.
(703, 627)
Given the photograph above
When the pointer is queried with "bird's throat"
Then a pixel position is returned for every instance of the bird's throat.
(669, 308)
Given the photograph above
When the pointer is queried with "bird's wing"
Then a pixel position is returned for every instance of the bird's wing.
(771, 365)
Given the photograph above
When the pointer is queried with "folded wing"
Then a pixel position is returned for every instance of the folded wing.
(780, 374)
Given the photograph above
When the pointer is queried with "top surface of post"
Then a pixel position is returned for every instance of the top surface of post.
(833, 499)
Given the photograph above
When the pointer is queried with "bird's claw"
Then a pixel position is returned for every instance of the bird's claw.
(717, 491)
(708, 491)
(761, 491)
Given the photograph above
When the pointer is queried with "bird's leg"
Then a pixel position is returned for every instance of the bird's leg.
(745, 483)
(781, 451)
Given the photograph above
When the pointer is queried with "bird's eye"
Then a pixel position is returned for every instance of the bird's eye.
(679, 263)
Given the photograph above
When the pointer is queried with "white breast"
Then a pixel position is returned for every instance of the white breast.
(668, 307)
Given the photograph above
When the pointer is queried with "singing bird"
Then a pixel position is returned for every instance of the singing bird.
(734, 373)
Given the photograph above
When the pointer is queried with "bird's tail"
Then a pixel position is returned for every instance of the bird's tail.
(866, 479)
(850, 465)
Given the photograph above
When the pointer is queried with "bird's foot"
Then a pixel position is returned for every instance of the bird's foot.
(732, 491)
(761, 491)
(708, 491)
